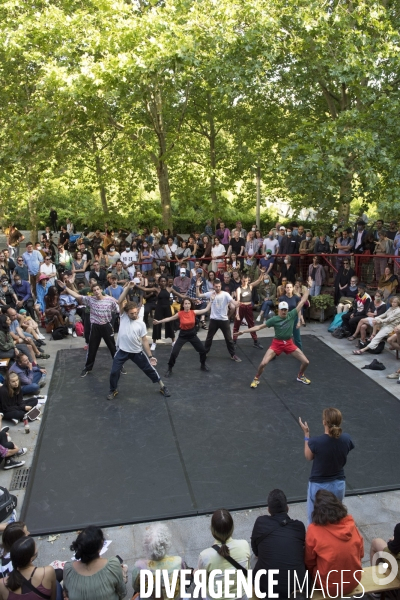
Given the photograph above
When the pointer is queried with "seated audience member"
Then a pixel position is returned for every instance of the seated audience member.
(224, 547)
(21, 337)
(392, 546)
(90, 576)
(8, 450)
(99, 274)
(267, 296)
(281, 289)
(182, 281)
(359, 309)
(23, 292)
(156, 543)
(12, 404)
(388, 283)
(68, 306)
(53, 309)
(387, 322)
(114, 289)
(121, 274)
(348, 297)
(228, 285)
(7, 295)
(9, 348)
(394, 342)
(278, 543)
(376, 309)
(42, 288)
(333, 545)
(13, 532)
(30, 377)
(23, 553)
(30, 327)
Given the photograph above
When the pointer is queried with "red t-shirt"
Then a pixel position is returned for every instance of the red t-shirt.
(187, 319)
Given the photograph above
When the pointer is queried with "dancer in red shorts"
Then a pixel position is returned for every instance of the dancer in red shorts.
(282, 342)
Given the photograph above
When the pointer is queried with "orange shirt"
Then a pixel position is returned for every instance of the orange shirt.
(187, 319)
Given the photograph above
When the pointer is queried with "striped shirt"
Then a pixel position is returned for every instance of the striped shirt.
(101, 311)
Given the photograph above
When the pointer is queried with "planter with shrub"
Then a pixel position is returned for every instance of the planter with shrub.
(322, 307)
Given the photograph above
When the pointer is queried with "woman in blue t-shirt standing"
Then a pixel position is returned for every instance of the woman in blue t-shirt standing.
(329, 455)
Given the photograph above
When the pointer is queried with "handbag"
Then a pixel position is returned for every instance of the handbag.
(231, 560)
(7, 503)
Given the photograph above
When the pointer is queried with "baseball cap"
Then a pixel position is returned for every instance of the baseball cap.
(199, 271)
(183, 271)
(268, 251)
(282, 228)
(43, 276)
(362, 285)
(283, 305)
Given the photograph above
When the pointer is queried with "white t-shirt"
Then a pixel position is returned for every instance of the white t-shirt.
(170, 249)
(49, 269)
(130, 334)
(219, 305)
(272, 245)
(128, 257)
(217, 251)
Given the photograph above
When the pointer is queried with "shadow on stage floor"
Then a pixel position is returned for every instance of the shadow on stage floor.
(214, 443)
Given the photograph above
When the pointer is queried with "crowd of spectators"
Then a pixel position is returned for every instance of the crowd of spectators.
(258, 270)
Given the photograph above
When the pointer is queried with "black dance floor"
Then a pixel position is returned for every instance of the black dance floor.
(214, 443)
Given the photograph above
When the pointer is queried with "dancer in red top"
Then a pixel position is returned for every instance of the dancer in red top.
(188, 333)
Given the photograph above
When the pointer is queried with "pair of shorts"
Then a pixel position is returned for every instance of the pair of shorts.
(286, 346)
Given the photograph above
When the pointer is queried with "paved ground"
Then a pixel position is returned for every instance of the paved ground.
(375, 514)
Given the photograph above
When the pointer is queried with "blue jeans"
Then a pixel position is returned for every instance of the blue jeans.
(32, 388)
(337, 487)
(267, 306)
(139, 358)
(315, 290)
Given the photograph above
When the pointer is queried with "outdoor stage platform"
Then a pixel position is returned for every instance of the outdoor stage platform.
(214, 443)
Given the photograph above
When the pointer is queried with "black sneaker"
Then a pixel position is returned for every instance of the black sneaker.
(13, 464)
(5, 429)
(165, 391)
(123, 371)
(112, 394)
(168, 373)
(257, 345)
(84, 373)
(204, 367)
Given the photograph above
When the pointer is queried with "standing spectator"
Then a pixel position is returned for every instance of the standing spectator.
(391, 232)
(321, 244)
(21, 269)
(217, 254)
(396, 248)
(208, 230)
(359, 238)
(345, 244)
(64, 237)
(30, 377)
(225, 553)
(64, 258)
(316, 277)
(271, 243)
(54, 219)
(49, 269)
(242, 232)
(99, 274)
(130, 256)
(237, 246)
(90, 576)
(70, 227)
(112, 255)
(329, 455)
(78, 267)
(278, 543)
(379, 229)
(14, 239)
(32, 259)
(224, 235)
(333, 540)
(289, 243)
(383, 248)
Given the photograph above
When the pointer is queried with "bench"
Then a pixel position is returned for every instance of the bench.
(368, 584)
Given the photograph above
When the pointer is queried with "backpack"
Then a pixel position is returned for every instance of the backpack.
(79, 329)
(7, 503)
(59, 333)
(340, 333)
(380, 348)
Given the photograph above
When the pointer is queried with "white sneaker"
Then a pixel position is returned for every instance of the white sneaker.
(259, 318)
(15, 421)
(173, 344)
(74, 334)
(70, 330)
(153, 346)
(41, 336)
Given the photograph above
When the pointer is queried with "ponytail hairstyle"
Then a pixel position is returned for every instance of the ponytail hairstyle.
(88, 544)
(332, 418)
(222, 529)
(22, 552)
